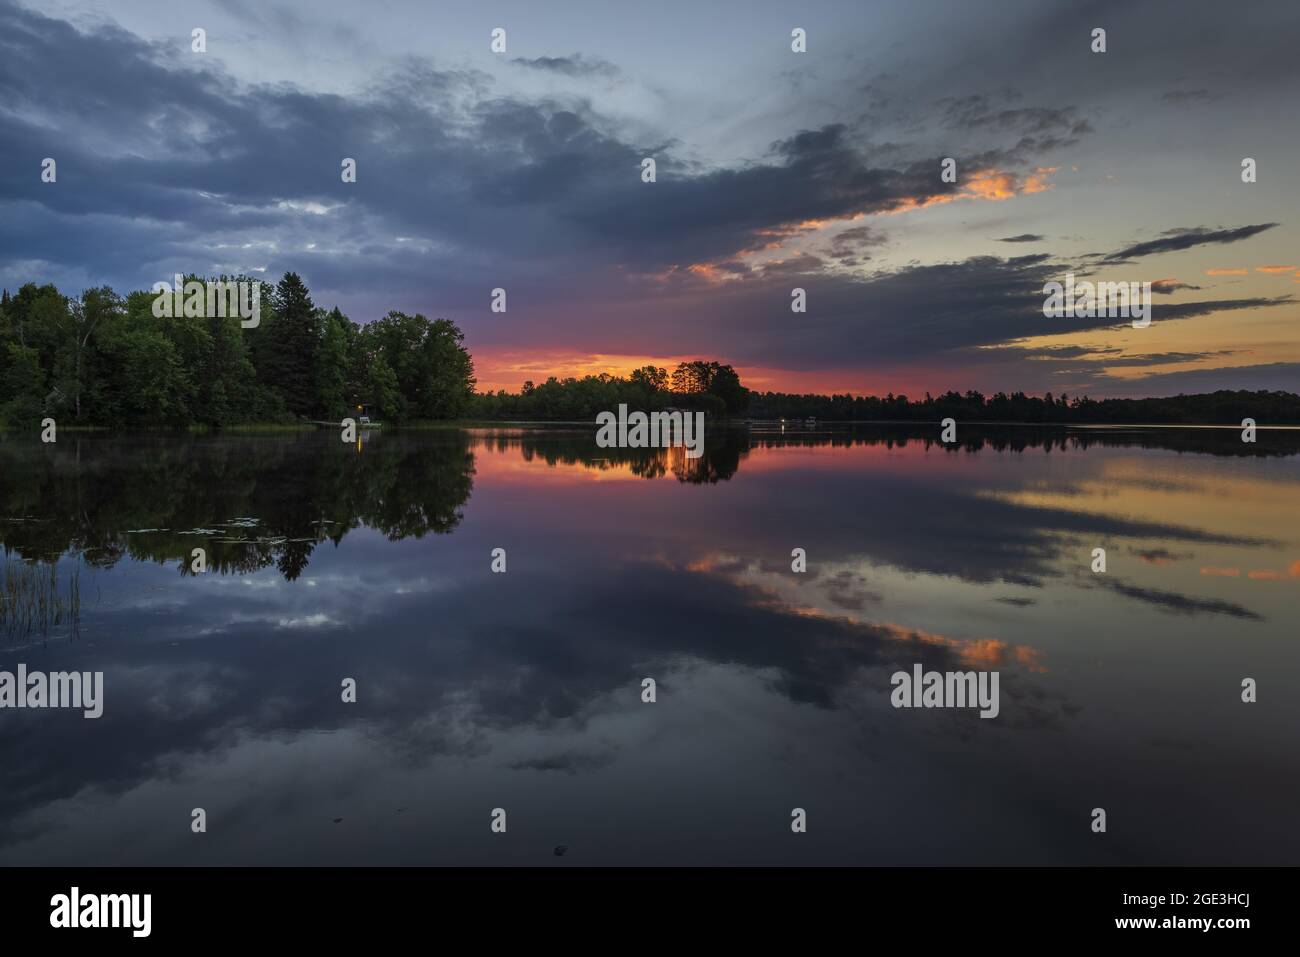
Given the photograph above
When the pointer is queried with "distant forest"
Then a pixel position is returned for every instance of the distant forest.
(1214, 408)
(104, 360)
(717, 389)
(101, 359)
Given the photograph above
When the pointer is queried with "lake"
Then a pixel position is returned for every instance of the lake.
(479, 690)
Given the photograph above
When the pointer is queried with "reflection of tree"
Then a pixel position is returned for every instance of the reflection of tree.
(973, 437)
(252, 502)
(723, 449)
(249, 502)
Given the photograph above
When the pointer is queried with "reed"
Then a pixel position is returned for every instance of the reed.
(32, 601)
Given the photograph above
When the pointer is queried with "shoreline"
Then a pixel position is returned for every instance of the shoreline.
(792, 423)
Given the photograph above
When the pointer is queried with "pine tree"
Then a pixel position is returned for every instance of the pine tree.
(290, 346)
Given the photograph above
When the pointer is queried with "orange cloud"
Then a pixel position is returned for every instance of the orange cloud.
(706, 272)
(1255, 574)
(1226, 272)
(1276, 269)
(987, 184)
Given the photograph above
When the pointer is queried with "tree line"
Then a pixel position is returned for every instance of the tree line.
(708, 386)
(717, 389)
(105, 359)
(1222, 407)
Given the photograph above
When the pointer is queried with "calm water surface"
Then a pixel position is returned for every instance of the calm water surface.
(523, 690)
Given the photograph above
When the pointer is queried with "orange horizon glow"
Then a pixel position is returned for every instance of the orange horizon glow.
(509, 371)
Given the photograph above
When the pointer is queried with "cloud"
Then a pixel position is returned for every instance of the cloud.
(1172, 240)
(575, 65)
(1184, 604)
(456, 182)
(1165, 287)
(1270, 376)
(470, 179)
(976, 111)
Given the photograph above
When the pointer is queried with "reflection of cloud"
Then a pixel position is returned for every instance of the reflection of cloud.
(569, 762)
(844, 591)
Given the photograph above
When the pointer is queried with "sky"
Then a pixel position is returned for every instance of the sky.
(775, 170)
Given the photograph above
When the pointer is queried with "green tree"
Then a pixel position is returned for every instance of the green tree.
(434, 373)
(79, 322)
(331, 364)
(23, 385)
(447, 377)
(724, 382)
(382, 388)
(288, 346)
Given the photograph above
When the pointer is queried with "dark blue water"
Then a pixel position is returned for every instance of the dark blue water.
(523, 690)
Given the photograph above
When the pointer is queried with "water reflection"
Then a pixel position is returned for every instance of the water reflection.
(522, 690)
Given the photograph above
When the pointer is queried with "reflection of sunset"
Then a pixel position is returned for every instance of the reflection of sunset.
(776, 595)
(499, 456)
(1164, 491)
(1186, 535)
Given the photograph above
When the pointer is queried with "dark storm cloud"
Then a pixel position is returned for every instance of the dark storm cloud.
(938, 314)
(1173, 240)
(193, 165)
(166, 162)
(813, 175)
